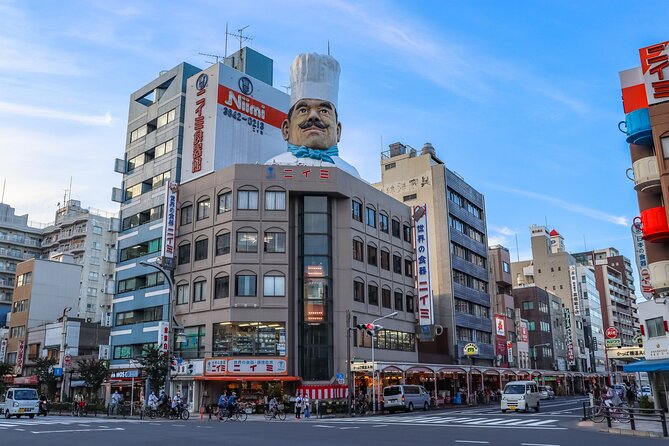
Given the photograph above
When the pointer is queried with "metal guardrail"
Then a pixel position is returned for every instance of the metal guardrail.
(635, 415)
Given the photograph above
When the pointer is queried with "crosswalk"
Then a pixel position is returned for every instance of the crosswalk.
(445, 420)
(27, 424)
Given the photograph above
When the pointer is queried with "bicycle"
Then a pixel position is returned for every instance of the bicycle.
(619, 413)
(160, 411)
(361, 408)
(181, 411)
(278, 412)
(238, 414)
(78, 409)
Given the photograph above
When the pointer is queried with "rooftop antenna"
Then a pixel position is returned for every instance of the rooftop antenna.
(240, 36)
(226, 39)
(585, 246)
(215, 56)
(329, 48)
(517, 250)
(4, 184)
(70, 188)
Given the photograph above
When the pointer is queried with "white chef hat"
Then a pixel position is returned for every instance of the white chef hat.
(314, 76)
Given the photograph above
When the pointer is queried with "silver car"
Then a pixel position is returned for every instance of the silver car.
(405, 397)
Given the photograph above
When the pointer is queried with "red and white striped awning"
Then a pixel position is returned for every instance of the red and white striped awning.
(328, 392)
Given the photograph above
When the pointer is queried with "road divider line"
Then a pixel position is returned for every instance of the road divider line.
(65, 431)
(472, 441)
(538, 444)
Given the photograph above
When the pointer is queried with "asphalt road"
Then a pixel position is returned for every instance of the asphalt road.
(555, 425)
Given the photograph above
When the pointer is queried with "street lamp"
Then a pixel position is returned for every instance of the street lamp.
(534, 354)
(172, 324)
(393, 314)
(61, 361)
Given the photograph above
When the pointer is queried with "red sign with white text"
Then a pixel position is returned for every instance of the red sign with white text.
(654, 66)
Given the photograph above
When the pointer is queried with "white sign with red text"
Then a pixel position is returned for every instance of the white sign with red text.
(170, 219)
(258, 366)
(20, 354)
(163, 336)
(423, 278)
(230, 118)
(642, 262)
(499, 325)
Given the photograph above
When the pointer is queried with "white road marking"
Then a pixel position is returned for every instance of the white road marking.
(538, 444)
(77, 430)
(380, 425)
(346, 428)
(472, 441)
(325, 426)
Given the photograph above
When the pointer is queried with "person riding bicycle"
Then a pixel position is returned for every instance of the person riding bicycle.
(232, 404)
(360, 401)
(153, 400)
(611, 398)
(222, 404)
(116, 399)
(176, 402)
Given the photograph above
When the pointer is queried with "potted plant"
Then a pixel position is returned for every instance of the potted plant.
(646, 404)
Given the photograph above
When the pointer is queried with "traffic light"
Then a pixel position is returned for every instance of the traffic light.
(173, 365)
(190, 368)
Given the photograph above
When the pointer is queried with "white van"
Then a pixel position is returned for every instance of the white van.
(405, 397)
(19, 402)
(520, 395)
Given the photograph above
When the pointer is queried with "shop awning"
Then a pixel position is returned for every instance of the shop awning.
(247, 378)
(80, 383)
(324, 392)
(652, 365)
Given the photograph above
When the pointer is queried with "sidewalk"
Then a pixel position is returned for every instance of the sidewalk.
(642, 428)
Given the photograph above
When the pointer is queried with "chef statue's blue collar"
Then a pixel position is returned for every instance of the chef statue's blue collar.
(306, 152)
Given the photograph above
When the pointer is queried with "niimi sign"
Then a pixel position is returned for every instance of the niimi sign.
(423, 280)
(642, 262)
(575, 298)
(170, 220)
(654, 64)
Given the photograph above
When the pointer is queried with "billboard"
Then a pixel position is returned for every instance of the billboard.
(170, 220)
(20, 354)
(642, 262)
(575, 296)
(501, 353)
(423, 279)
(230, 118)
(654, 64)
(163, 336)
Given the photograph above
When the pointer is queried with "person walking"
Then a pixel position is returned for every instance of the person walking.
(306, 405)
(298, 406)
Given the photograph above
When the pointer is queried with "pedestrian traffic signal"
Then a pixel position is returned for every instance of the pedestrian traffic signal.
(173, 365)
(190, 368)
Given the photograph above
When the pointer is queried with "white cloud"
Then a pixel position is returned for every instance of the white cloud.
(572, 207)
(504, 230)
(41, 112)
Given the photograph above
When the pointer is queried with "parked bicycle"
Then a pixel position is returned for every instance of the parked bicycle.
(361, 407)
(279, 411)
(619, 413)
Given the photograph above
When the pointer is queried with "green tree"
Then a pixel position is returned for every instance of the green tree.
(94, 372)
(5, 369)
(155, 364)
(44, 372)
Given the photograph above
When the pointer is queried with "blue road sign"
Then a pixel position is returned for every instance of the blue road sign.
(57, 371)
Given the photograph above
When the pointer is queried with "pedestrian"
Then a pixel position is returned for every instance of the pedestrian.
(298, 406)
(631, 396)
(597, 394)
(306, 404)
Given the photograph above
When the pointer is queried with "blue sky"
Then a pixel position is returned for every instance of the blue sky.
(523, 100)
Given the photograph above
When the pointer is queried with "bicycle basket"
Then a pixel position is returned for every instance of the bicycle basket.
(280, 406)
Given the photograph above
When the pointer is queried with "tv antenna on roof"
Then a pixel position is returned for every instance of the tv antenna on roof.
(215, 56)
(240, 36)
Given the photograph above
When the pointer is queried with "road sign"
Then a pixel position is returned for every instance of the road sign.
(57, 371)
(613, 343)
(611, 332)
(67, 361)
(638, 339)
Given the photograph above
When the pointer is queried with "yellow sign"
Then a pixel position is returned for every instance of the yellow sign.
(471, 349)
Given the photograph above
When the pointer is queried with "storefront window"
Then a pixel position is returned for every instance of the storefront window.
(249, 339)
(191, 344)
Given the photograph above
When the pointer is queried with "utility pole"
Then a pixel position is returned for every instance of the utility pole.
(63, 340)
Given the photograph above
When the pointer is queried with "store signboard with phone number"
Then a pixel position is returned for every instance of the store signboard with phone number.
(245, 366)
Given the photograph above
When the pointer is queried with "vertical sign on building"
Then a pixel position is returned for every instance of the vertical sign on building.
(163, 336)
(509, 349)
(642, 262)
(423, 280)
(570, 339)
(654, 64)
(500, 344)
(3, 350)
(170, 220)
(19, 357)
(575, 299)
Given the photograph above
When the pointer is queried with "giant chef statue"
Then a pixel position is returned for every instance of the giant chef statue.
(312, 127)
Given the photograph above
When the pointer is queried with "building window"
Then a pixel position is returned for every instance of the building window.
(399, 301)
(199, 290)
(407, 233)
(373, 295)
(505, 267)
(358, 291)
(139, 316)
(247, 241)
(153, 214)
(409, 197)
(223, 244)
(249, 339)
(184, 254)
(455, 197)
(275, 200)
(275, 242)
(203, 209)
(395, 228)
(225, 202)
(140, 282)
(371, 255)
(201, 249)
(136, 251)
(358, 248)
(139, 133)
(655, 327)
(385, 260)
(543, 307)
(183, 293)
(221, 287)
(247, 199)
(545, 326)
(24, 279)
(383, 223)
(245, 285)
(371, 217)
(274, 286)
(356, 210)
(531, 326)
(18, 332)
(186, 215)
(385, 298)
(397, 264)
(166, 118)
(463, 334)
(193, 345)
(408, 268)
(528, 305)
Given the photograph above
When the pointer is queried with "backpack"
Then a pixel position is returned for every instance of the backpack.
(630, 393)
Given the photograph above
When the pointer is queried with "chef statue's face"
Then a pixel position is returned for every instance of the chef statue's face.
(312, 123)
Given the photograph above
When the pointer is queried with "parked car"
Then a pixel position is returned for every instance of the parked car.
(405, 397)
(18, 402)
(520, 395)
(644, 391)
(546, 393)
(621, 390)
